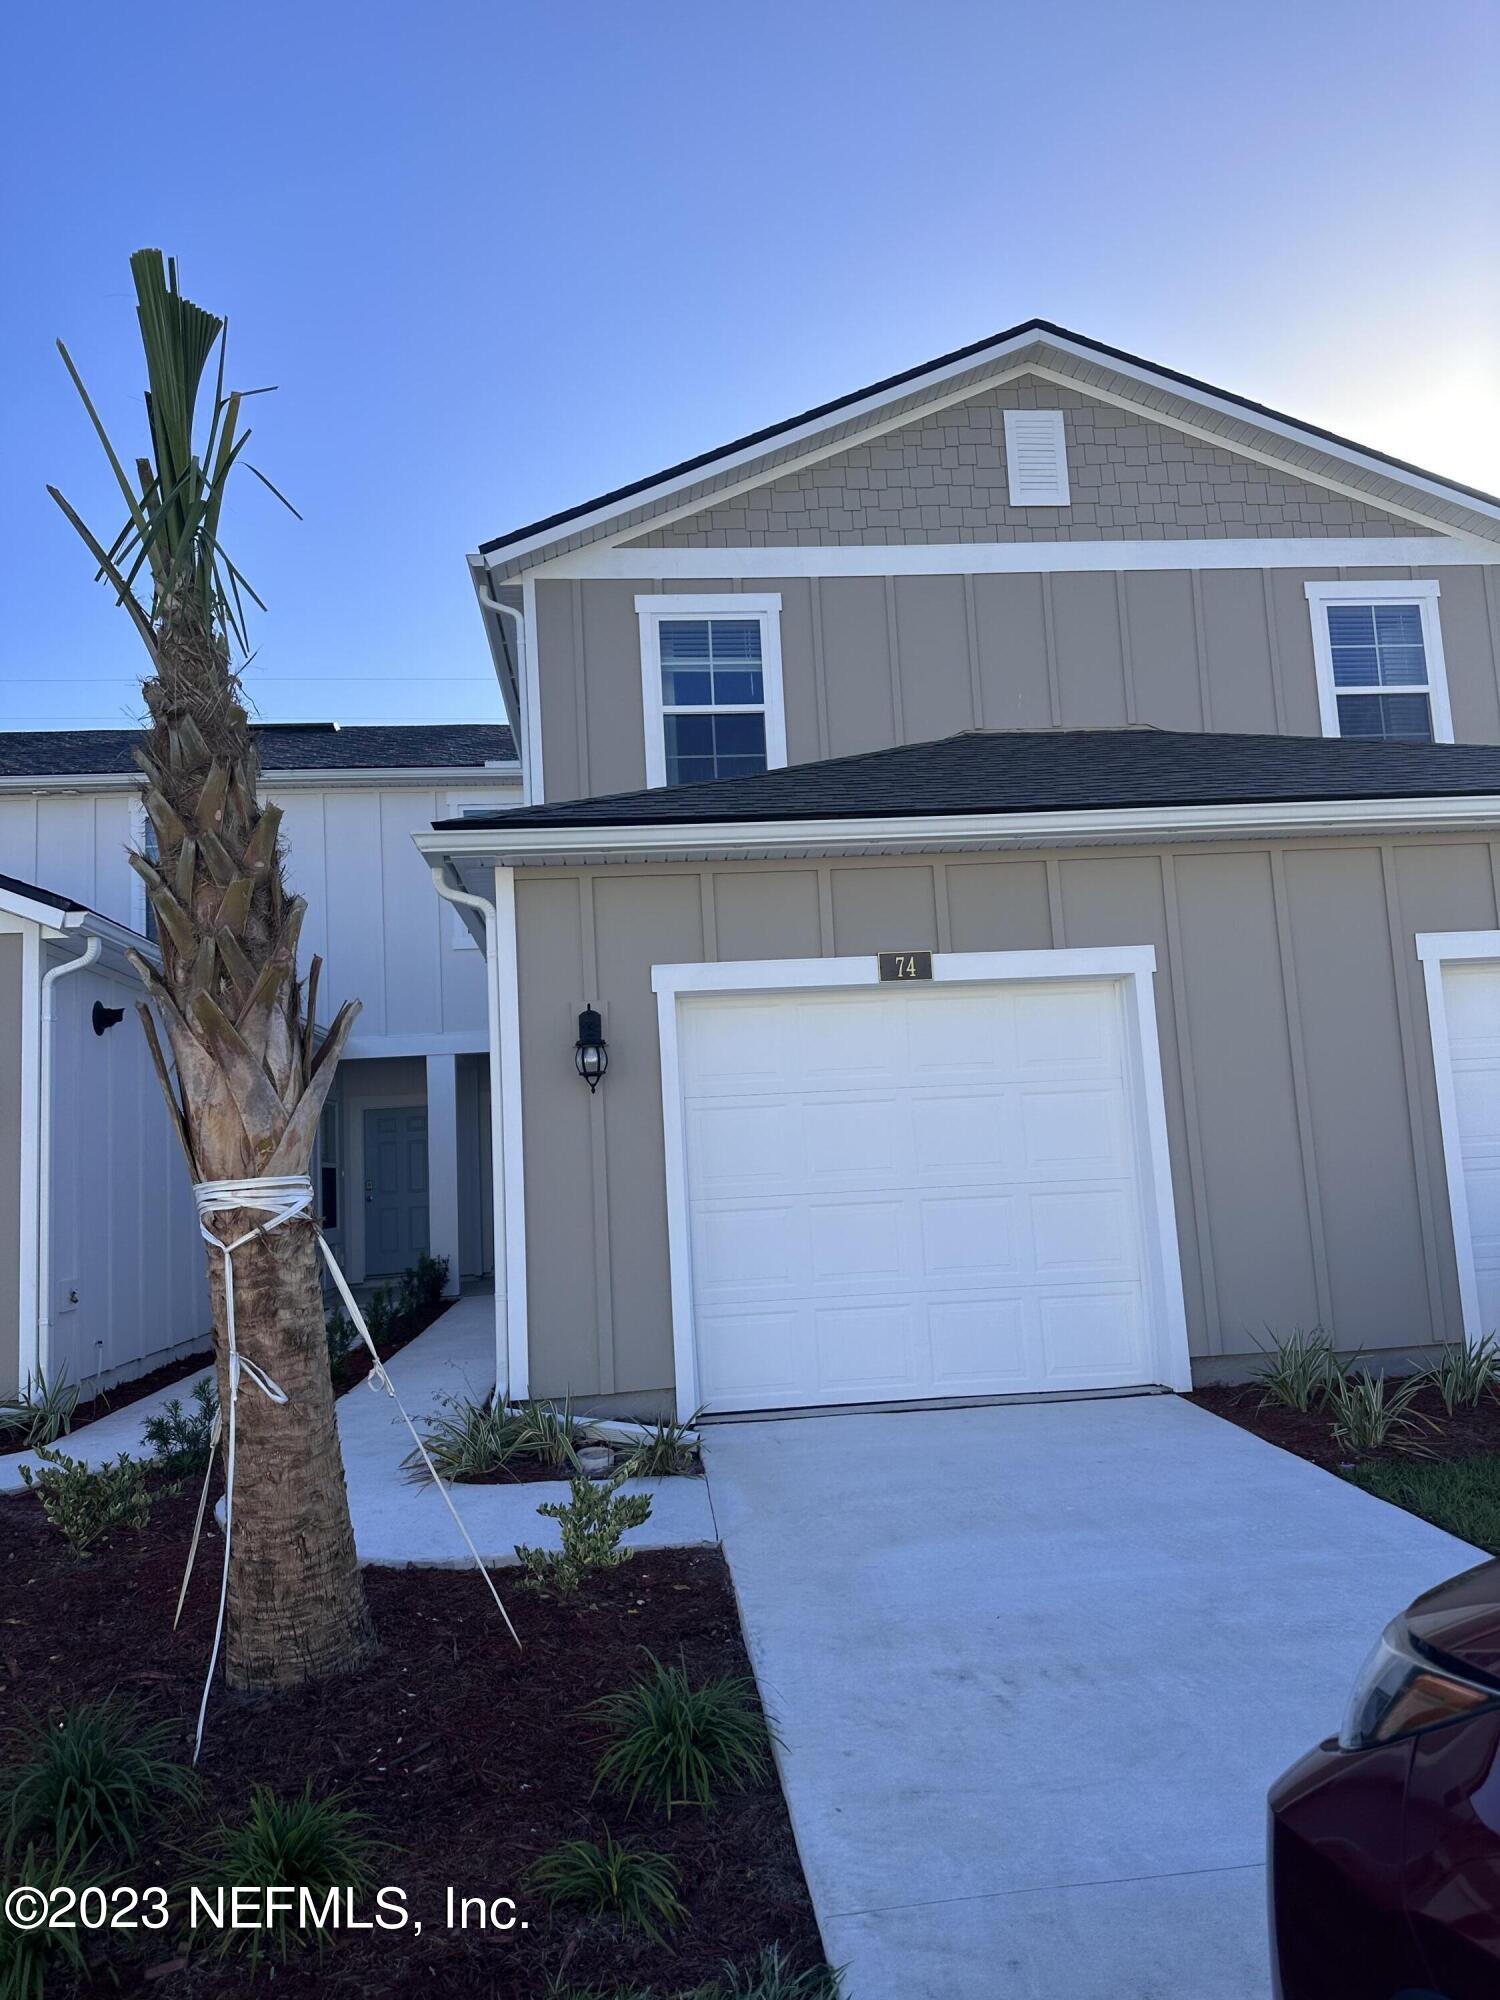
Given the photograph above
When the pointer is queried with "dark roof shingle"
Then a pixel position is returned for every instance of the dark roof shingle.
(1052, 770)
(441, 746)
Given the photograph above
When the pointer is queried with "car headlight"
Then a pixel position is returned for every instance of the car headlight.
(1400, 1691)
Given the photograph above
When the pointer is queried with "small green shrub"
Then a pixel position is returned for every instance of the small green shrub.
(85, 1505)
(428, 1277)
(678, 1743)
(307, 1842)
(380, 1315)
(28, 1957)
(182, 1439)
(671, 1451)
(637, 1888)
(39, 1414)
(548, 1436)
(1370, 1413)
(339, 1331)
(469, 1440)
(1466, 1374)
(1300, 1372)
(94, 1778)
(770, 1978)
(592, 1523)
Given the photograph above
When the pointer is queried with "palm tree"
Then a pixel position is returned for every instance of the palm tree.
(250, 1076)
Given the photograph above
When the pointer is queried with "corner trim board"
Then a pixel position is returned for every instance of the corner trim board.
(1435, 950)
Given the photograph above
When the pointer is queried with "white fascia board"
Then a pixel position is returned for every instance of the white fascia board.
(523, 847)
(982, 558)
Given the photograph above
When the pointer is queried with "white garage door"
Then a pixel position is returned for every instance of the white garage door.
(900, 1193)
(1472, 995)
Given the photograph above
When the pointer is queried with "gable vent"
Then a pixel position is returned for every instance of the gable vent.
(1036, 458)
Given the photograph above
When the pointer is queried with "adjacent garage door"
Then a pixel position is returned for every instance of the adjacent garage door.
(1472, 1002)
(900, 1193)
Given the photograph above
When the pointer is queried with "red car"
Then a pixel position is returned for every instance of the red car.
(1385, 1841)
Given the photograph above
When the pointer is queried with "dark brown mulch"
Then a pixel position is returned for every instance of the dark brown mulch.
(467, 1754)
(352, 1368)
(1310, 1434)
(125, 1393)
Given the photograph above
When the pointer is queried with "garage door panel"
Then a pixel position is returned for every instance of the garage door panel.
(1471, 996)
(955, 1192)
(856, 1241)
(963, 1235)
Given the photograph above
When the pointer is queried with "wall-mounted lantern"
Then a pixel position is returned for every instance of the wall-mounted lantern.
(591, 1051)
(104, 1018)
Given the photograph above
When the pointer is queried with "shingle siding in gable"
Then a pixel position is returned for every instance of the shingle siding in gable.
(944, 480)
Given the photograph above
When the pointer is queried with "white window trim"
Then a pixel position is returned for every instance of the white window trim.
(1421, 591)
(1437, 949)
(1133, 967)
(766, 607)
(1057, 495)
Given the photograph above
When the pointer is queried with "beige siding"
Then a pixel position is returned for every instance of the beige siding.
(872, 661)
(944, 479)
(1302, 1117)
(11, 950)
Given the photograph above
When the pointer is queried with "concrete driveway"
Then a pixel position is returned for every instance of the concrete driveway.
(1035, 1667)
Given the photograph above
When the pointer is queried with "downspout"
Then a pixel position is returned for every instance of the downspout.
(40, 1358)
(523, 749)
(450, 894)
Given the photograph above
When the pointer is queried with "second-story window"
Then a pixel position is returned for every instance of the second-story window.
(1378, 650)
(711, 687)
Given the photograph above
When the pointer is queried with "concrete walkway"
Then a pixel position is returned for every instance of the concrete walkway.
(395, 1519)
(1035, 1668)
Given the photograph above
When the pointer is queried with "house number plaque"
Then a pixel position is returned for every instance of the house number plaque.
(906, 965)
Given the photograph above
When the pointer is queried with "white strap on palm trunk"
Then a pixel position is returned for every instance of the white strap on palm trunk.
(281, 1198)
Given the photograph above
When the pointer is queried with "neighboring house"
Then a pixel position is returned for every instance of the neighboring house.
(1168, 726)
(101, 1267)
(404, 1153)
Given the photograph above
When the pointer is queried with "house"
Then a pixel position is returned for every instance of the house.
(1026, 835)
(404, 1150)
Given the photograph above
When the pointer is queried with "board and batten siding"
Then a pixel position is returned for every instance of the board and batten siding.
(12, 952)
(384, 937)
(869, 662)
(1302, 1112)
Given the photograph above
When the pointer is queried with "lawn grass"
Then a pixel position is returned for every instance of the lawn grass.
(1459, 1494)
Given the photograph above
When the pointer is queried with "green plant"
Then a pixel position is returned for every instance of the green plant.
(1369, 1414)
(671, 1450)
(678, 1743)
(1461, 1495)
(85, 1504)
(469, 1440)
(428, 1277)
(1465, 1373)
(182, 1439)
(307, 1842)
(770, 1978)
(27, 1956)
(96, 1777)
(1300, 1372)
(379, 1315)
(612, 1879)
(592, 1523)
(339, 1332)
(39, 1414)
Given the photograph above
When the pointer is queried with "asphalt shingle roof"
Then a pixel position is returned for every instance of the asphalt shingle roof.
(94, 753)
(33, 894)
(1061, 770)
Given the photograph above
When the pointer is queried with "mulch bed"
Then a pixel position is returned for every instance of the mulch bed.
(352, 1368)
(466, 1753)
(1310, 1435)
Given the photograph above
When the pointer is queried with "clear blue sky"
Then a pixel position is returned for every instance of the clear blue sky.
(500, 257)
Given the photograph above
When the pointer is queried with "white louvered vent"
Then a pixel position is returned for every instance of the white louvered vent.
(1036, 458)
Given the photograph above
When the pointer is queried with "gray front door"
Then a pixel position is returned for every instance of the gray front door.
(395, 1190)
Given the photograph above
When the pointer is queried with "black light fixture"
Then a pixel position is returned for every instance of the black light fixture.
(591, 1051)
(104, 1018)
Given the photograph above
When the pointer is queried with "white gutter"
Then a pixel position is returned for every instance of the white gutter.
(531, 752)
(426, 777)
(521, 846)
(35, 1363)
(486, 909)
